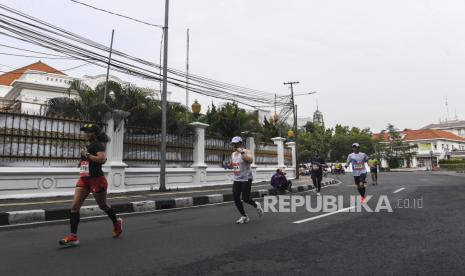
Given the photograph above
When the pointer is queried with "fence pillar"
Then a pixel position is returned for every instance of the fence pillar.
(199, 165)
(115, 165)
(251, 147)
(294, 157)
(279, 142)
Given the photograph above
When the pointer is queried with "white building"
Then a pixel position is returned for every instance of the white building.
(28, 88)
(432, 145)
(455, 126)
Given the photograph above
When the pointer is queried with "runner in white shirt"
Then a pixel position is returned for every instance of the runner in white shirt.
(241, 159)
(357, 162)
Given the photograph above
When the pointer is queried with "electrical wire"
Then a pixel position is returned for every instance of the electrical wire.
(117, 14)
(46, 35)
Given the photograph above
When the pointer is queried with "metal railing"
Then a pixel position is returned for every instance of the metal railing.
(43, 139)
(142, 145)
(218, 149)
(266, 154)
(288, 157)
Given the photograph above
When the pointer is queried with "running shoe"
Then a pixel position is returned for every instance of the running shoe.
(118, 228)
(259, 209)
(362, 199)
(243, 219)
(69, 240)
(318, 194)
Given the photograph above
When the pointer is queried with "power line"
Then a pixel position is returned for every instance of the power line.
(30, 51)
(117, 14)
(41, 73)
(46, 35)
(244, 92)
(29, 56)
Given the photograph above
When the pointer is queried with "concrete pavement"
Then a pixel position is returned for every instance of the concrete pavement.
(205, 240)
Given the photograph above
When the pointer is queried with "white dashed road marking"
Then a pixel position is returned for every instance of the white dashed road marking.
(324, 215)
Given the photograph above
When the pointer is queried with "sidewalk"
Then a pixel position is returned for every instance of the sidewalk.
(19, 211)
(449, 173)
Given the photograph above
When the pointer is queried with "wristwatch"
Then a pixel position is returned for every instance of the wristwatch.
(87, 155)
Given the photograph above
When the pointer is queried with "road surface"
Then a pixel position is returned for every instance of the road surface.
(205, 241)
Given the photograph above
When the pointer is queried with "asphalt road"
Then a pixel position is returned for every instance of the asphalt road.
(205, 240)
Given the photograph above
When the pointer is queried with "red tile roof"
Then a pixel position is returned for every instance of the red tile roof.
(421, 134)
(10, 77)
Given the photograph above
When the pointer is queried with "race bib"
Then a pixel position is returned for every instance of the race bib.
(315, 167)
(358, 166)
(236, 168)
(84, 168)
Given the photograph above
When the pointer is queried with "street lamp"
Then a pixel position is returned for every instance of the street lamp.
(196, 107)
(290, 134)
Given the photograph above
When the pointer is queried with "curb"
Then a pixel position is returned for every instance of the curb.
(49, 215)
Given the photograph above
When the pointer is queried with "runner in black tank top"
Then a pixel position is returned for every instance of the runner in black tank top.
(91, 180)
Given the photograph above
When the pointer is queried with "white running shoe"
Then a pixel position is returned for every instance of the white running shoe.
(318, 194)
(259, 209)
(242, 220)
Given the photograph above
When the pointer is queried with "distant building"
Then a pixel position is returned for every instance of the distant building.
(318, 118)
(432, 145)
(27, 89)
(455, 126)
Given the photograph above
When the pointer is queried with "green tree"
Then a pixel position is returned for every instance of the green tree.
(143, 110)
(312, 139)
(229, 120)
(344, 137)
(395, 150)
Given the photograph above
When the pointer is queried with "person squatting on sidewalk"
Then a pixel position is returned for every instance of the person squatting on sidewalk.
(280, 182)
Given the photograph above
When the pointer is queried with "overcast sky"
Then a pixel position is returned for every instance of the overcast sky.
(372, 62)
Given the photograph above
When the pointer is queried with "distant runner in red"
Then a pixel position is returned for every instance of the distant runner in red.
(91, 180)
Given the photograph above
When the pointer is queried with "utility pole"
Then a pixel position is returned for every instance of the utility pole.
(294, 110)
(187, 70)
(108, 66)
(164, 102)
(275, 98)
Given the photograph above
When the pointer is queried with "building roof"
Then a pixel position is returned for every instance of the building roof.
(422, 134)
(448, 124)
(8, 78)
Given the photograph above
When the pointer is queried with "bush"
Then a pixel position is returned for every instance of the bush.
(453, 167)
(452, 161)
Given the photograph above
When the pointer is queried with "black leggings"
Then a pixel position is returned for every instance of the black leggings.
(317, 178)
(242, 187)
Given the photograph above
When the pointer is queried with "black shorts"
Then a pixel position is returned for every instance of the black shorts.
(360, 179)
(374, 170)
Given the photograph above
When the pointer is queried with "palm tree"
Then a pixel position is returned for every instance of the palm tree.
(125, 102)
(87, 105)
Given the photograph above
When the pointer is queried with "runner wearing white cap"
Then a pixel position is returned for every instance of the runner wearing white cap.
(241, 159)
(357, 162)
